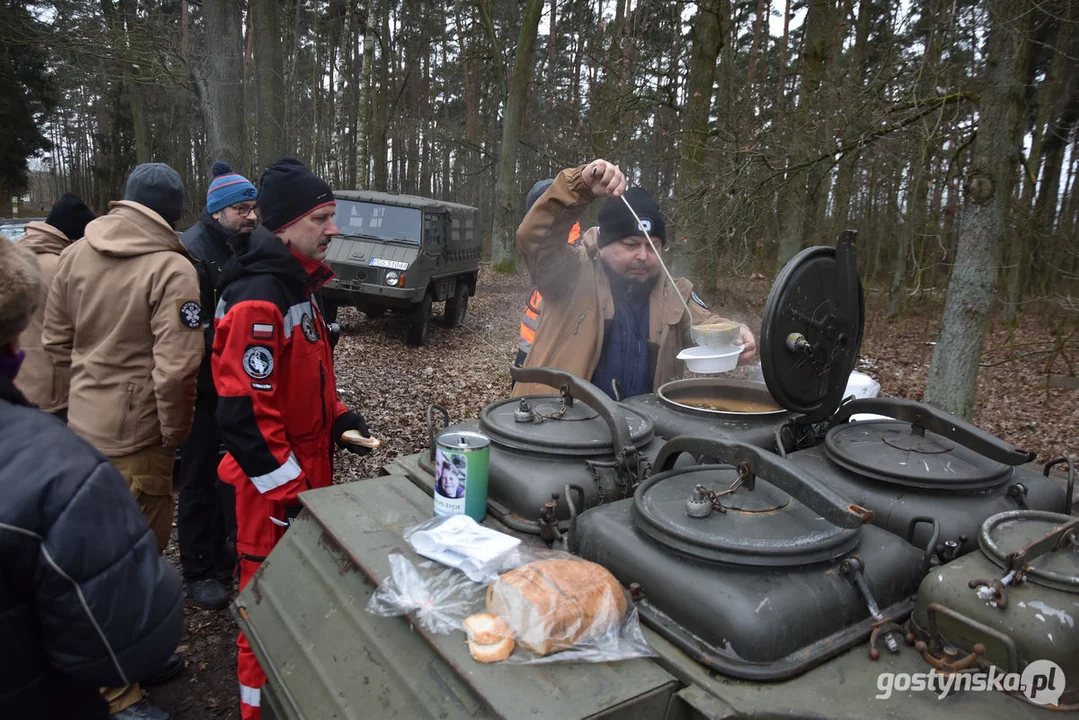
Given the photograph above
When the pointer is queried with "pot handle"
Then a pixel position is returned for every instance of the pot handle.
(780, 472)
(924, 417)
(593, 397)
(927, 557)
(1067, 462)
(431, 424)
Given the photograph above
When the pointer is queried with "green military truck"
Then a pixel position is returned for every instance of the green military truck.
(402, 253)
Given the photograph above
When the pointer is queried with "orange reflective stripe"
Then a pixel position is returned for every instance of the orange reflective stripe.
(531, 314)
(528, 334)
(574, 234)
(534, 301)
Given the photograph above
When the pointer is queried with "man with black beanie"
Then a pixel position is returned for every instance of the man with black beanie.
(38, 381)
(278, 409)
(609, 314)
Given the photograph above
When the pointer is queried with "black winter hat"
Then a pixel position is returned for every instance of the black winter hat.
(616, 221)
(70, 216)
(158, 187)
(289, 192)
(536, 193)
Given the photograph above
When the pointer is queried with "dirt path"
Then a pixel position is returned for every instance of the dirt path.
(467, 368)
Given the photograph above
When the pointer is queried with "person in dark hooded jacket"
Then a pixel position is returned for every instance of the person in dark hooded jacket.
(85, 599)
(206, 511)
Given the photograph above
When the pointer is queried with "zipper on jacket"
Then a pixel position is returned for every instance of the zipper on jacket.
(322, 390)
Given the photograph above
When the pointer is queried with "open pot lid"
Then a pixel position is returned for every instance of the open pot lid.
(554, 428)
(1043, 545)
(891, 451)
(763, 527)
(812, 327)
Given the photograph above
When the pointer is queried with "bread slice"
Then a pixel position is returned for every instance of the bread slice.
(490, 639)
(355, 438)
(491, 652)
(485, 628)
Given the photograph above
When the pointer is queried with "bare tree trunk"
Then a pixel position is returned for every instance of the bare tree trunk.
(270, 79)
(224, 83)
(751, 76)
(802, 185)
(380, 115)
(919, 185)
(503, 244)
(706, 43)
(953, 373)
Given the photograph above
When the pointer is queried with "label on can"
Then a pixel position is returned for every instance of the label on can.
(461, 463)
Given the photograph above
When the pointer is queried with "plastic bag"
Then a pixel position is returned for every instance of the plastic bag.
(459, 541)
(560, 608)
(564, 609)
(440, 598)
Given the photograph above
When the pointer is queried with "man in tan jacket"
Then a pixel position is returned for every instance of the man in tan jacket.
(610, 315)
(123, 312)
(42, 384)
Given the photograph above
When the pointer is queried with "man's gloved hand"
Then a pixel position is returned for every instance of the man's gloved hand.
(351, 421)
(292, 512)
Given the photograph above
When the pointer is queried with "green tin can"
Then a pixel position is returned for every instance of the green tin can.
(461, 464)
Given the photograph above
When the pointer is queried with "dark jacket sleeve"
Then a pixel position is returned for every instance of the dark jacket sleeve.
(195, 241)
(110, 608)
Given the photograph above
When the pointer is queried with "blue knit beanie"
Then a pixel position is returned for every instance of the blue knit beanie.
(227, 188)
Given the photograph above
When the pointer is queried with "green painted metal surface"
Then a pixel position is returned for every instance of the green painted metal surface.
(327, 657)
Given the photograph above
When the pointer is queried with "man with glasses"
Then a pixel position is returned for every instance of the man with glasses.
(609, 313)
(206, 514)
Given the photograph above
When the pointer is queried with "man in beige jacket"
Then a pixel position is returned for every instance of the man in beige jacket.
(123, 312)
(609, 313)
(42, 384)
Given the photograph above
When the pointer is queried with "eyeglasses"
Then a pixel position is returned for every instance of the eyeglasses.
(244, 210)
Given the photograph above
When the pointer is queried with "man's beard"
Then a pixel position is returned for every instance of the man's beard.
(243, 226)
(623, 286)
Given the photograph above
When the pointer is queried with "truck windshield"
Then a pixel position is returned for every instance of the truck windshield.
(378, 222)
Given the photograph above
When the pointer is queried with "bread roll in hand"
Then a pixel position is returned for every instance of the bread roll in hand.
(354, 437)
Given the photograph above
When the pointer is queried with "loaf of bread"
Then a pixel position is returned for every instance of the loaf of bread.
(552, 605)
(355, 438)
(490, 639)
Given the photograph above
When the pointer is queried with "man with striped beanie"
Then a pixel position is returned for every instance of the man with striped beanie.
(206, 511)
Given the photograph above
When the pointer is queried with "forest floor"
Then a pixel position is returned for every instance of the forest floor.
(465, 369)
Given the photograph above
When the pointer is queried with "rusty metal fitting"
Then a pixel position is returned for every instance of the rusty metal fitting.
(947, 666)
(635, 591)
(999, 595)
(887, 627)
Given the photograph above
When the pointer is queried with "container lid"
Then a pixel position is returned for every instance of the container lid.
(811, 329)
(1054, 563)
(890, 451)
(763, 527)
(574, 431)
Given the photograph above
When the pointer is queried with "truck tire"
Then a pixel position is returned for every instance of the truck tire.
(329, 309)
(419, 320)
(456, 307)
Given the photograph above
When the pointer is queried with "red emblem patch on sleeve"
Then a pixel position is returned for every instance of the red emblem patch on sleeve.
(262, 331)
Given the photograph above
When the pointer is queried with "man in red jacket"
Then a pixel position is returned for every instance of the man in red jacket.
(273, 370)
